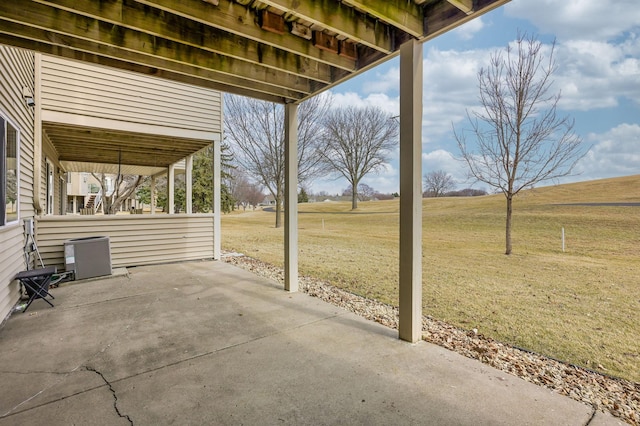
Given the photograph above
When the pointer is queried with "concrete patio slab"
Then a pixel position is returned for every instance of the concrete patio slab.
(209, 343)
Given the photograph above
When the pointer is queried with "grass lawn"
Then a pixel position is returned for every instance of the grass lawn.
(581, 306)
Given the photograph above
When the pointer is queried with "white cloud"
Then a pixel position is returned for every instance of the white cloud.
(469, 30)
(388, 81)
(381, 100)
(614, 153)
(594, 74)
(581, 19)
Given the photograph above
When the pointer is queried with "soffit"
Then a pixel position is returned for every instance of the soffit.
(78, 147)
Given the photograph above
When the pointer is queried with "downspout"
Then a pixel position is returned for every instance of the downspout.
(37, 135)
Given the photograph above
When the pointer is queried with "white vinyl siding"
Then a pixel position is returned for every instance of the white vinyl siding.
(134, 239)
(16, 72)
(106, 93)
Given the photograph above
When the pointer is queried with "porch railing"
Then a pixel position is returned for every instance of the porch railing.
(134, 239)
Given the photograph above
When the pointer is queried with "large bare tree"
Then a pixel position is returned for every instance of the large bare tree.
(357, 141)
(438, 183)
(518, 138)
(256, 131)
(124, 186)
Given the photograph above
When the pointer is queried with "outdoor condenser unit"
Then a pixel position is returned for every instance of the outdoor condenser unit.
(88, 257)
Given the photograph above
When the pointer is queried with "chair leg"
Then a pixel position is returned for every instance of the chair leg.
(38, 291)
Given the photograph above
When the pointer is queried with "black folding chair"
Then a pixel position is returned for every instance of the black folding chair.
(36, 282)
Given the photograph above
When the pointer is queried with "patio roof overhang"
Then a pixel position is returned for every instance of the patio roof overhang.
(278, 50)
(89, 149)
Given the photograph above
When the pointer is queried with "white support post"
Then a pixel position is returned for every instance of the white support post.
(188, 177)
(153, 195)
(410, 279)
(291, 198)
(217, 204)
(171, 186)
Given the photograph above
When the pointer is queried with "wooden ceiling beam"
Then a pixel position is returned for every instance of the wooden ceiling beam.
(242, 21)
(402, 14)
(342, 20)
(444, 16)
(195, 78)
(99, 32)
(66, 139)
(142, 160)
(464, 5)
(135, 16)
(54, 44)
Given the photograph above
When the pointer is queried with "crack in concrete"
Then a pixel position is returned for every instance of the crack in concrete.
(593, 414)
(113, 392)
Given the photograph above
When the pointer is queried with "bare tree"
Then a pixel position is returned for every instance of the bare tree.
(438, 183)
(356, 142)
(256, 131)
(124, 186)
(245, 192)
(365, 192)
(519, 140)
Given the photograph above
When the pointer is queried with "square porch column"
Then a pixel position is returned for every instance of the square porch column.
(217, 204)
(410, 279)
(188, 177)
(291, 197)
(153, 195)
(171, 186)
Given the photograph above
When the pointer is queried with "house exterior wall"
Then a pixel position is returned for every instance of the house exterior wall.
(88, 94)
(16, 72)
(72, 88)
(134, 239)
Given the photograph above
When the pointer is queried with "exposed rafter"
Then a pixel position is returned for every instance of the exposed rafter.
(114, 146)
(401, 14)
(161, 24)
(232, 45)
(464, 5)
(342, 20)
(242, 21)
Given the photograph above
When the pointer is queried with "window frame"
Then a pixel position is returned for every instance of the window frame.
(5, 122)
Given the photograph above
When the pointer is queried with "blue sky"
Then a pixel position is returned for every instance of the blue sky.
(598, 58)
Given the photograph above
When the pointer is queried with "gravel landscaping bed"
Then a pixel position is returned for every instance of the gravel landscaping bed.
(617, 396)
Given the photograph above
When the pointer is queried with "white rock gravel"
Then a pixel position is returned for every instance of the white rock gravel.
(617, 396)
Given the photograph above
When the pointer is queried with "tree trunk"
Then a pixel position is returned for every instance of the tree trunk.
(354, 196)
(508, 225)
(278, 209)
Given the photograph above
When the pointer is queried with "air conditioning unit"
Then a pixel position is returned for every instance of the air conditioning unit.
(88, 257)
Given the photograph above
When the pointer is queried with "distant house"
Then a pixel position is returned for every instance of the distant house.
(60, 120)
(269, 200)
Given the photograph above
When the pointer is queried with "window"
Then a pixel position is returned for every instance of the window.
(9, 199)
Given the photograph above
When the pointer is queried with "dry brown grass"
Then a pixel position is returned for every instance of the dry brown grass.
(581, 306)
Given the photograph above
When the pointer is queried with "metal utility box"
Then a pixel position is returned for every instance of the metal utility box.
(88, 257)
